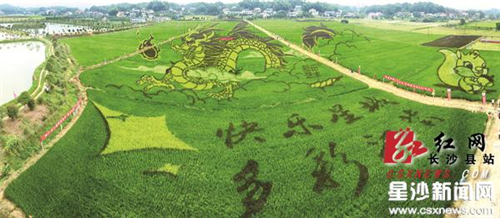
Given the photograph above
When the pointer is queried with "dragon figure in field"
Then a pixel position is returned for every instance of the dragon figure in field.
(203, 47)
(313, 33)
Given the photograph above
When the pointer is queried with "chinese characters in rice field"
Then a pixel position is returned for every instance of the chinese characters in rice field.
(401, 148)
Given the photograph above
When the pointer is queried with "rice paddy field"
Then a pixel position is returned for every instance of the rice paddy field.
(437, 28)
(271, 149)
(382, 51)
(489, 24)
(90, 50)
(488, 46)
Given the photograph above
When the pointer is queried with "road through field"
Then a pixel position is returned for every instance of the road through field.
(125, 56)
(491, 131)
(387, 87)
(461, 104)
(493, 147)
(9, 209)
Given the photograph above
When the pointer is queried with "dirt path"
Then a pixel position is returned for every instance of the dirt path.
(104, 63)
(9, 209)
(387, 87)
(40, 87)
(493, 147)
(13, 211)
(491, 131)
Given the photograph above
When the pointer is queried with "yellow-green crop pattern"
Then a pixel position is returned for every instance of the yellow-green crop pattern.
(486, 46)
(134, 133)
(268, 134)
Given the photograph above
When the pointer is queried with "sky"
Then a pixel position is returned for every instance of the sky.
(457, 4)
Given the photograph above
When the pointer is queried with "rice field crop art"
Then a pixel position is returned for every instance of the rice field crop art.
(94, 49)
(410, 56)
(202, 47)
(226, 122)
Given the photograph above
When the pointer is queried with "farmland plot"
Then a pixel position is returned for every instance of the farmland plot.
(275, 119)
(93, 49)
(395, 53)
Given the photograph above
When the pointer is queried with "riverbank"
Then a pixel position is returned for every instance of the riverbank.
(19, 138)
(39, 73)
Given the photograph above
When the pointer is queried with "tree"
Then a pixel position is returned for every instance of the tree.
(24, 98)
(12, 111)
(4, 171)
(113, 12)
(280, 14)
(281, 5)
(250, 4)
(462, 21)
(498, 26)
(307, 14)
(40, 100)
(392, 9)
(31, 104)
(12, 146)
(208, 8)
(319, 6)
(157, 6)
(481, 15)
(3, 112)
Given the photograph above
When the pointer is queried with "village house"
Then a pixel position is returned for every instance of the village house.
(375, 15)
(313, 12)
(121, 14)
(138, 20)
(296, 12)
(246, 12)
(329, 13)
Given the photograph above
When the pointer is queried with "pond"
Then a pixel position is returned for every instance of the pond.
(8, 36)
(19, 61)
(56, 28)
(50, 28)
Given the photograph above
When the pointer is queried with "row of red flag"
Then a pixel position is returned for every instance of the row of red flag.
(61, 121)
(490, 41)
(407, 84)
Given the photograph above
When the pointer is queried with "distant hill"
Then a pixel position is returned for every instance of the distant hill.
(388, 10)
(492, 11)
(392, 9)
(10, 9)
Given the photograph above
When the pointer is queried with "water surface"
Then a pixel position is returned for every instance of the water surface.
(18, 62)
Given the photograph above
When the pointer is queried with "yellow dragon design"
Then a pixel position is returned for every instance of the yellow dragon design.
(203, 47)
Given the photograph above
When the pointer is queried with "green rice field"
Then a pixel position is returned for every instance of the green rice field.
(385, 52)
(179, 152)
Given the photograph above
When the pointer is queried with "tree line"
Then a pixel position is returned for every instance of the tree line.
(203, 8)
